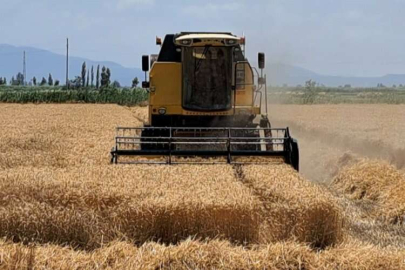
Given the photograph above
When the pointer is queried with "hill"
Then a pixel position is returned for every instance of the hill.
(42, 62)
(279, 74)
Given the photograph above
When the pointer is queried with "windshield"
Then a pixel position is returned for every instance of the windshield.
(207, 78)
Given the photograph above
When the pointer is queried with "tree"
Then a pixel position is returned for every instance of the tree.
(43, 82)
(310, 93)
(20, 79)
(348, 86)
(108, 72)
(76, 83)
(83, 74)
(5, 81)
(92, 76)
(135, 82)
(50, 80)
(1, 81)
(88, 78)
(98, 77)
(105, 77)
(57, 82)
(34, 81)
(310, 84)
(116, 84)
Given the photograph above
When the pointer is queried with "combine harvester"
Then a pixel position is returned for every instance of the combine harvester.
(204, 106)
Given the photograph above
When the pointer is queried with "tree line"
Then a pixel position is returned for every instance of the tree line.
(87, 78)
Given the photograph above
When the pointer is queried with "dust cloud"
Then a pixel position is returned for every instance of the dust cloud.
(322, 154)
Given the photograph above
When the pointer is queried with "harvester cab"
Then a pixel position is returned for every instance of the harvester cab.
(204, 106)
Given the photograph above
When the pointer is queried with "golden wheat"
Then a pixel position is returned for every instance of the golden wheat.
(200, 255)
(368, 122)
(91, 205)
(187, 255)
(377, 181)
(57, 187)
(294, 207)
(355, 255)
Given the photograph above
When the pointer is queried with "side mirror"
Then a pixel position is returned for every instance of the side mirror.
(262, 61)
(145, 63)
(145, 85)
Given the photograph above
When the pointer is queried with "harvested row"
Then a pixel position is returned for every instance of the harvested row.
(87, 207)
(356, 255)
(199, 255)
(293, 207)
(376, 181)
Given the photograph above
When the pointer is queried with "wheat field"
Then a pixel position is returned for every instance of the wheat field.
(368, 122)
(63, 204)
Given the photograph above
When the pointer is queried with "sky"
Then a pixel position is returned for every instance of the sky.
(331, 37)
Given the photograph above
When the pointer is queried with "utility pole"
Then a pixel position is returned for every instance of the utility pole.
(67, 63)
(24, 71)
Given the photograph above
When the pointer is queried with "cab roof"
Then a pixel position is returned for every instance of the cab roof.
(205, 35)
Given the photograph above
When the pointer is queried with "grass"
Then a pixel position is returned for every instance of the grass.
(277, 95)
(45, 94)
(329, 95)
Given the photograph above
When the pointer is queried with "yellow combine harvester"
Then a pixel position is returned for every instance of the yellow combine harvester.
(203, 102)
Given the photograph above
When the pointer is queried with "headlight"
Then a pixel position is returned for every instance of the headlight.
(231, 42)
(186, 42)
(162, 111)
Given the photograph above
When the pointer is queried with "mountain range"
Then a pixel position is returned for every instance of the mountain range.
(279, 74)
(42, 62)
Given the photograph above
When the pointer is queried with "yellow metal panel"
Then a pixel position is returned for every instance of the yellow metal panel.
(165, 84)
(244, 97)
(166, 88)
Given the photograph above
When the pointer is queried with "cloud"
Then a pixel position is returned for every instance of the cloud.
(123, 4)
